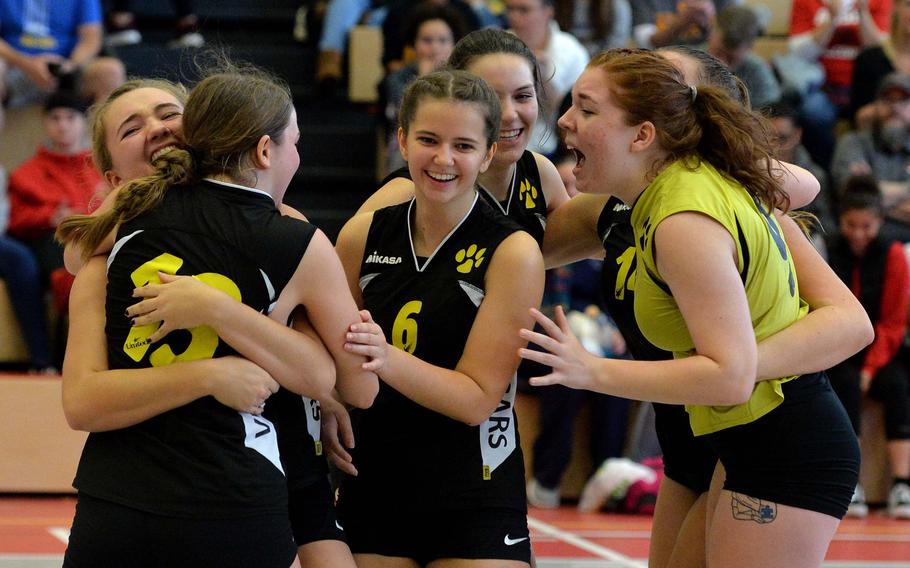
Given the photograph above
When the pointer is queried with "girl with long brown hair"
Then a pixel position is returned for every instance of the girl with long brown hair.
(242, 128)
(694, 165)
(447, 282)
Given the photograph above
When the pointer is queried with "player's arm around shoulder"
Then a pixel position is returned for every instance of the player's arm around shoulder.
(571, 233)
(514, 284)
(553, 189)
(350, 246)
(289, 211)
(800, 185)
(397, 190)
(332, 309)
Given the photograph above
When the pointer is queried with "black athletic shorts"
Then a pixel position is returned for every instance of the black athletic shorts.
(312, 512)
(108, 534)
(688, 459)
(803, 453)
(425, 535)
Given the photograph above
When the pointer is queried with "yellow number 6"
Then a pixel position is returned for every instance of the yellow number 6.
(404, 330)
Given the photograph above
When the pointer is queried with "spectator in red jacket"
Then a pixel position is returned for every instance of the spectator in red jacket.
(876, 270)
(58, 181)
(832, 32)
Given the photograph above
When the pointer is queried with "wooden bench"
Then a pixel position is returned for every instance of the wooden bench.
(779, 24)
(365, 69)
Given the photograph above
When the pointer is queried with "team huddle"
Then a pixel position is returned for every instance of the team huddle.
(222, 352)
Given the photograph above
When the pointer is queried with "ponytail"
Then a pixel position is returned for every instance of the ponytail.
(710, 125)
(738, 143)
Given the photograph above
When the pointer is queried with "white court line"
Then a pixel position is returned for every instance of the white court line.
(60, 533)
(865, 564)
(846, 537)
(569, 538)
(613, 534)
(873, 537)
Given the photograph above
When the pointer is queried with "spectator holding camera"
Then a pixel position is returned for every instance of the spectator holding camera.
(831, 33)
(659, 23)
(42, 42)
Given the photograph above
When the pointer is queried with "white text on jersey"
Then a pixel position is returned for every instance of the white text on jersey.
(379, 259)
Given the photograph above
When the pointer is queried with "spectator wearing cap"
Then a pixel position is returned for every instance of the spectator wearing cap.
(58, 181)
(732, 41)
(883, 150)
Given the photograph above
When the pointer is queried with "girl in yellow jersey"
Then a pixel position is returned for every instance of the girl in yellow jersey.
(715, 276)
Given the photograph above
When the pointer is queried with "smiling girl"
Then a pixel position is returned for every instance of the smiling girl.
(673, 153)
(519, 184)
(205, 212)
(445, 278)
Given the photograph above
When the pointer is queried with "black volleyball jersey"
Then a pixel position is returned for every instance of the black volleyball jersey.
(427, 306)
(203, 459)
(525, 204)
(618, 277)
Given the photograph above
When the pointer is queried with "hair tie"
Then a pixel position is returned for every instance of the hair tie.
(693, 91)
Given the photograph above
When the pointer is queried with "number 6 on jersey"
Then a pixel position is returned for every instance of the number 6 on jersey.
(404, 330)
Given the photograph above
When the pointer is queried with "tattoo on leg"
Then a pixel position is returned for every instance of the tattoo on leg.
(747, 508)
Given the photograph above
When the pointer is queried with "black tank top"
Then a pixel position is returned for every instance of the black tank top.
(618, 276)
(203, 459)
(427, 307)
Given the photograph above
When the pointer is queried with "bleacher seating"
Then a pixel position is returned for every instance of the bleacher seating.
(338, 140)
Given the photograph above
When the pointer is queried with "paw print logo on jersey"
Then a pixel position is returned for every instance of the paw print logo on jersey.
(470, 258)
(527, 194)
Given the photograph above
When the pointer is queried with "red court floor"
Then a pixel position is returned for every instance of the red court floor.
(38, 526)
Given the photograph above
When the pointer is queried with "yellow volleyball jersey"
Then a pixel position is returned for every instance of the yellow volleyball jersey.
(765, 266)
